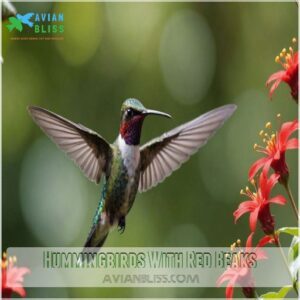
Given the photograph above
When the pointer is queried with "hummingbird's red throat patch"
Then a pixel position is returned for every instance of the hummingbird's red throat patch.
(130, 130)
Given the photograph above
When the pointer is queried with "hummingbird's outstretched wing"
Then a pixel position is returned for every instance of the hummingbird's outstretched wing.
(163, 155)
(86, 148)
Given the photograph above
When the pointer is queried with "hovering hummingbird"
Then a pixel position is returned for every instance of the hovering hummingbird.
(126, 166)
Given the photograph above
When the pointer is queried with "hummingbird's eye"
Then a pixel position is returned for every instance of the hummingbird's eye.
(129, 112)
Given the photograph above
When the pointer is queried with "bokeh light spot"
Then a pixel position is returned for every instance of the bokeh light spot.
(82, 31)
(22, 83)
(187, 56)
(132, 28)
(53, 194)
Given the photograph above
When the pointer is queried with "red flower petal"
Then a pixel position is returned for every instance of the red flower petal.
(265, 240)
(278, 200)
(267, 165)
(256, 166)
(260, 253)
(289, 74)
(286, 130)
(226, 276)
(292, 144)
(249, 240)
(266, 185)
(15, 275)
(244, 207)
(295, 58)
(229, 292)
(274, 87)
(19, 290)
(275, 76)
(14, 279)
(253, 219)
(277, 155)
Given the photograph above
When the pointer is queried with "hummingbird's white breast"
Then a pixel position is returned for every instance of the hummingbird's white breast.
(130, 155)
(131, 158)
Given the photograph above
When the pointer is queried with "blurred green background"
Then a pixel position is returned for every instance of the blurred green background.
(181, 58)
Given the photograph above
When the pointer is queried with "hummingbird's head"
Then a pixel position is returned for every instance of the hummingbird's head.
(133, 113)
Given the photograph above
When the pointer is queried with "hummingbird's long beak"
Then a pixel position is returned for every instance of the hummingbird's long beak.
(156, 112)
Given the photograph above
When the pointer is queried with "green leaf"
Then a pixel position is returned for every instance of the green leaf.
(289, 230)
(293, 258)
(278, 295)
(294, 249)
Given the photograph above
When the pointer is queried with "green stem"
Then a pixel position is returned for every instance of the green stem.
(292, 201)
(279, 246)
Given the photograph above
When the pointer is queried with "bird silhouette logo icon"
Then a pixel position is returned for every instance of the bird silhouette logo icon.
(19, 20)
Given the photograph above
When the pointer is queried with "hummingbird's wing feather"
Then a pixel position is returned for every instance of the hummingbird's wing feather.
(161, 156)
(85, 147)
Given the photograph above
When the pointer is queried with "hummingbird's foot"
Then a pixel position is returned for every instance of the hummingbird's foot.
(121, 225)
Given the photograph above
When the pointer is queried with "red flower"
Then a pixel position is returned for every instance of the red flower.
(12, 277)
(259, 202)
(239, 272)
(288, 75)
(276, 146)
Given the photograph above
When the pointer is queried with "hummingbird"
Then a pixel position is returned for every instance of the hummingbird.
(125, 166)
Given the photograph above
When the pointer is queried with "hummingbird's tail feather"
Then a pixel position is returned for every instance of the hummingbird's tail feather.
(96, 239)
(91, 243)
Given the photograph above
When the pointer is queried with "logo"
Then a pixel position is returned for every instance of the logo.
(37, 26)
(18, 21)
